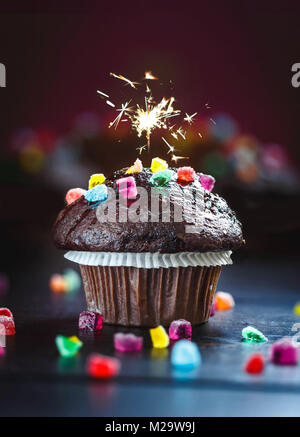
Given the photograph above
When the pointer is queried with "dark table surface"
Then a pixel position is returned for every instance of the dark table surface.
(35, 381)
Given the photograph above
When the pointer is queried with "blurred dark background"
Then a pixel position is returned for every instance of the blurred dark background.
(229, 61)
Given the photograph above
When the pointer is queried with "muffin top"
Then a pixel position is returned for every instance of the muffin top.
(206, 223)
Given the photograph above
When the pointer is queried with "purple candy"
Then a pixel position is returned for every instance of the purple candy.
(206, 181)
(90, 321)
(180, 329)
(284, 352)
(213, 309)
(127, 342)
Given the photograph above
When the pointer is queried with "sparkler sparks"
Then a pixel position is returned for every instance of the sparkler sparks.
(149, 76)
(171, 148)
(189, 118)
(127, 81)
(176, 158)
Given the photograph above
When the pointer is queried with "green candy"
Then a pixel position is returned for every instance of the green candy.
(67, 347)
(161, 178)
(253, 335)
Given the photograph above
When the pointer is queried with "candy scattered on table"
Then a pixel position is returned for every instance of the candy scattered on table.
(68, 346)
(137, 167)
(127, 342)
(103, 367)
(74, 194)
(284, 352)
(253, 335)
(297, 309)
(158, 164)
(96, 179)
(58, 283)
(72, 279)
(127, 187)
(224, 301)
(161, 177)
(4, 283)
(180, 329)
(97, 194)
(7, 322)
(186, 174)
(185, 355)
(255, 364)
(159, 337)
(213, 309)
(90, 321)
(207, 181)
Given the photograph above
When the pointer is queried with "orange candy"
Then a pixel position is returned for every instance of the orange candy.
(137, 167)
(58, 284)
(224, 301)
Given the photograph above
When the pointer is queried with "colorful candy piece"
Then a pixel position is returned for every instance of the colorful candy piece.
(213, 309)
(127, 342)
(284, 352)
(103, 367)
(96, 179)
(74, 194)
(98, 193)
(159, 337)
(207, 181)
(7, 322)
(90, 321)
(180, 329)
(72, 279)
(158, 164)
(224, 301)
(58, 283)
(185, 355)
(161, 178)
(186, 174)
(253, 335)
(255, 364)
(137, 167)
(297, 309)
(2, 350)
(68, 346)
(127, 187)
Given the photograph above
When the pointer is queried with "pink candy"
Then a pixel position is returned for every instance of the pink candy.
(127, 187)
(180, 329)
(213, 309)
(90, 321)
(206, 181)
(74, 194)
(127, 342)
(7, 321)
(284, 352)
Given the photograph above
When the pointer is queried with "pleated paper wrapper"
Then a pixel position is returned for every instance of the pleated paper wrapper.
(150, 289)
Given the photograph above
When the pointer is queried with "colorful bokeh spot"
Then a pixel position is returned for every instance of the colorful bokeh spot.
(185, 355)
(67, 346)
(223, 301)
(57, 283)
(103, 367)
(127, 342)
(255, 364)
(285, 352)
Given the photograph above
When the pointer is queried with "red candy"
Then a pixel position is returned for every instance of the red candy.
(7, 321)
(186, 174)
(74, 194)
(102, 367)
(255, 364)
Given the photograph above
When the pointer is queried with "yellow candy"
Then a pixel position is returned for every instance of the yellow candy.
(159, 337)
(297, 309)
(137, 167)
(96, 179)
(158, 164)
(75, 339)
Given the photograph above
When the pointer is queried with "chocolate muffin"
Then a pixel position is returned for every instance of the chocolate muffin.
(151, 243)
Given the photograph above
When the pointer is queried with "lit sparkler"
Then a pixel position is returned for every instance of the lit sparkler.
(127, 81)
(189, 118)
(149, 76)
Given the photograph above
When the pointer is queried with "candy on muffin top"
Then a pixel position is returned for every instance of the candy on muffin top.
(78, 227)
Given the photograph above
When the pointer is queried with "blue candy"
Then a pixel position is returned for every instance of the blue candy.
(97, 194)
(185, 355)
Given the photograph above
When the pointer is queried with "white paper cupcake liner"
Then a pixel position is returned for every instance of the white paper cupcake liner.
(150, 260)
